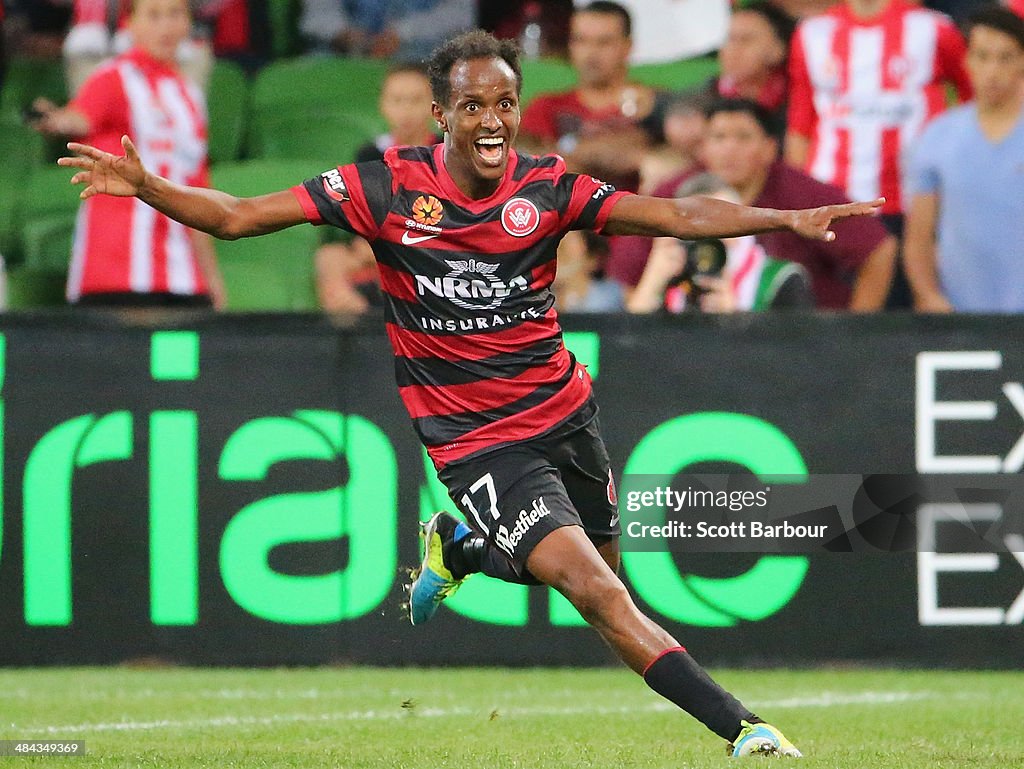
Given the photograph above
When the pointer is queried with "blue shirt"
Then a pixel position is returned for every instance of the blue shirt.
(980, 228)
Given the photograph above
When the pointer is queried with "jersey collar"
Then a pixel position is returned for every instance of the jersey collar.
(457, 196)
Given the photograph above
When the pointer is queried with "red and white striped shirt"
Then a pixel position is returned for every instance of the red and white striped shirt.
(121, 245)
(863, 89)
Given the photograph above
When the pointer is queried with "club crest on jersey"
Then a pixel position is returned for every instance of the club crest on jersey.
(427, 210)
(520, 217)
(334, 185)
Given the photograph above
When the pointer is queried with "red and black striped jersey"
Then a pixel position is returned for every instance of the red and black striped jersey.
(467, 289)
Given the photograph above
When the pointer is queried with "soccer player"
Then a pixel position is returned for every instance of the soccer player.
(465, 236)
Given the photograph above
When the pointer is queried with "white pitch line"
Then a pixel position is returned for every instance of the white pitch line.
(823, 700)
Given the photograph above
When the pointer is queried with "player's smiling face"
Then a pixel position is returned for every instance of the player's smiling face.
(481, 122)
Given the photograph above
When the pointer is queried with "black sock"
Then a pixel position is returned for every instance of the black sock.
(463, 556)
(677, 677)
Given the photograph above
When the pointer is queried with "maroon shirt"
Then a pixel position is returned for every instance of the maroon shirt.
(833, 266)
(627, 254)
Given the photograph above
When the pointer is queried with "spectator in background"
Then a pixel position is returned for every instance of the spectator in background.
(579, 284)
(406, 30)
(855, 270)
(749, 279)
(965, 226)
(754, 56)
(597, 126)
(404, 104)
(670, 162)
(662, 169)
(124, 253)
(99, 30)
(346, 273)
(865, 78)
(239, 30)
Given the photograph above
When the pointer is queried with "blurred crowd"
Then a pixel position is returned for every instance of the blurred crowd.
(812, 102)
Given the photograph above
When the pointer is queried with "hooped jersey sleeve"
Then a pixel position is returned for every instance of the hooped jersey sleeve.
(590, 201)
(354, 197)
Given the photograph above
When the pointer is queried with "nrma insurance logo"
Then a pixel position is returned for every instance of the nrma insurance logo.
(471, 285)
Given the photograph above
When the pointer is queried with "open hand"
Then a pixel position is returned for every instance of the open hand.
(815, 222)
(104, 173)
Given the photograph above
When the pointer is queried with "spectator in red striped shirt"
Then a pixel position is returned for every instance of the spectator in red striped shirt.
(865, 78)
(123, 252)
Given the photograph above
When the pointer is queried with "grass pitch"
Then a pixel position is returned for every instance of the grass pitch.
(496, 719)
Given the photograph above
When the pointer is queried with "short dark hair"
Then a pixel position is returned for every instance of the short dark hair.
(763, 116)
(476, 44)
(609, 8)
(782, 24)
(1000, 19)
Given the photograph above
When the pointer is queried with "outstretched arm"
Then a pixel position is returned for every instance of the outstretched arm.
(703, 217)
(223, 216)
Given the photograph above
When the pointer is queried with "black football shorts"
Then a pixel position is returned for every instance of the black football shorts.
(517, 495)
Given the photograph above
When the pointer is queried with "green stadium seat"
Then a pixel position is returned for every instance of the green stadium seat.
(46, 213)
(681, 75)
(23, 151)
(29, 289)
(303, 106)
(544, 76)
(271, 272)
(27, 79)
(285, 135)
(226, 99)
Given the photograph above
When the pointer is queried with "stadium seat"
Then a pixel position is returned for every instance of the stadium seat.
(226, 100)
(29, 289)
(46, 213)
(544, 76)
(27, 79)
(681, 75)
(286, 135)
(302, 107)
(271, 272)
(22, 150)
